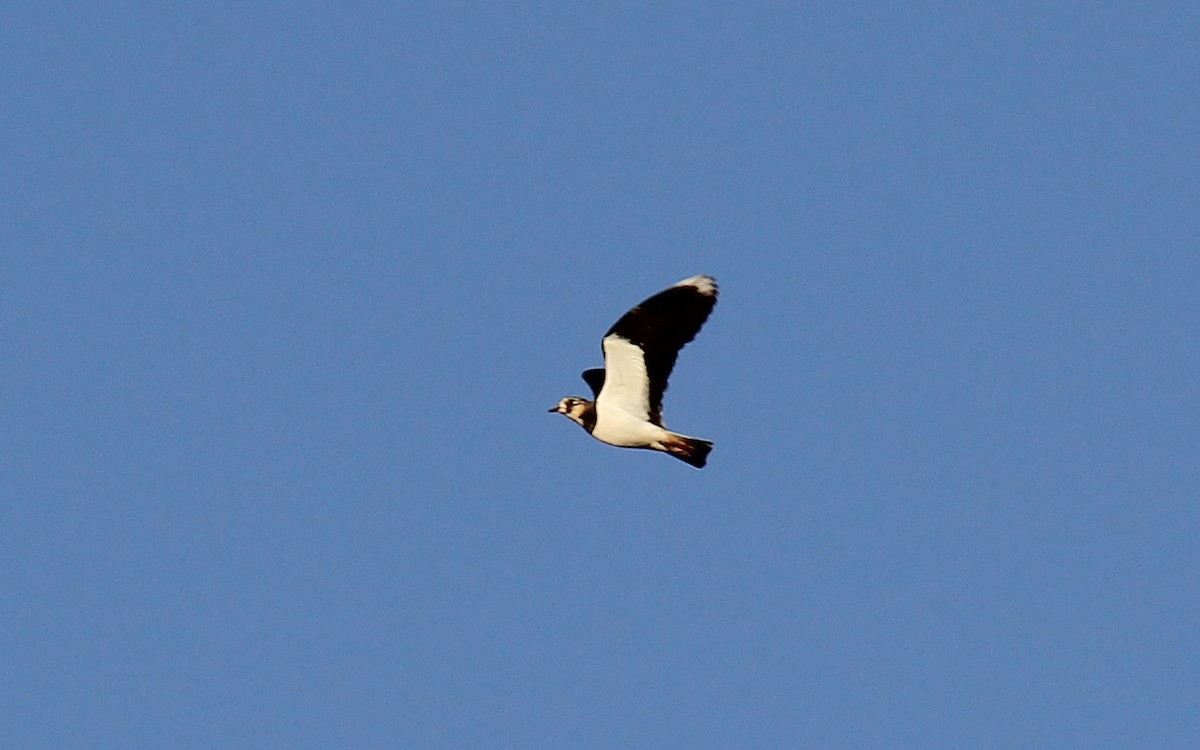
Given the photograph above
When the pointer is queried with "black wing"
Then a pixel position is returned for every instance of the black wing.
(662, 325)
(595, 380)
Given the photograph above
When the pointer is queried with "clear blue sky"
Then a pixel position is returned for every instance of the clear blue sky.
(287, 292)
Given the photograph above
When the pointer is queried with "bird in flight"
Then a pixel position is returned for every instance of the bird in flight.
(639, 354)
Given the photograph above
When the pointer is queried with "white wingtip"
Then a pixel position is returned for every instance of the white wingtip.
(706, 285)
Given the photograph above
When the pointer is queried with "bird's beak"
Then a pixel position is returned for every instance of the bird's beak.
(554, 410)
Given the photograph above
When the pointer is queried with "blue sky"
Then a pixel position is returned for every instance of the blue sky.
(289, 290)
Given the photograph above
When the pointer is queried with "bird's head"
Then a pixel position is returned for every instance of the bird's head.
(574, 408)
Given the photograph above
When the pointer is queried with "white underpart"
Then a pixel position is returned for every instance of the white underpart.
(623, 406)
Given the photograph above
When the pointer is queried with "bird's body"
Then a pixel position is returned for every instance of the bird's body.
(639, 353)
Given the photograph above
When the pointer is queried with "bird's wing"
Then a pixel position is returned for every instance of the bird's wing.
(595, 380)
(640, 349)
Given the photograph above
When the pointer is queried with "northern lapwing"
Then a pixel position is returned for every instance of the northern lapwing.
(639, 353)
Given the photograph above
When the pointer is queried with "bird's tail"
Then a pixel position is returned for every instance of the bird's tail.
(688, 449)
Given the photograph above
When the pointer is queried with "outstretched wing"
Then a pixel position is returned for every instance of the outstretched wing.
(595, 380)
(641, 348)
